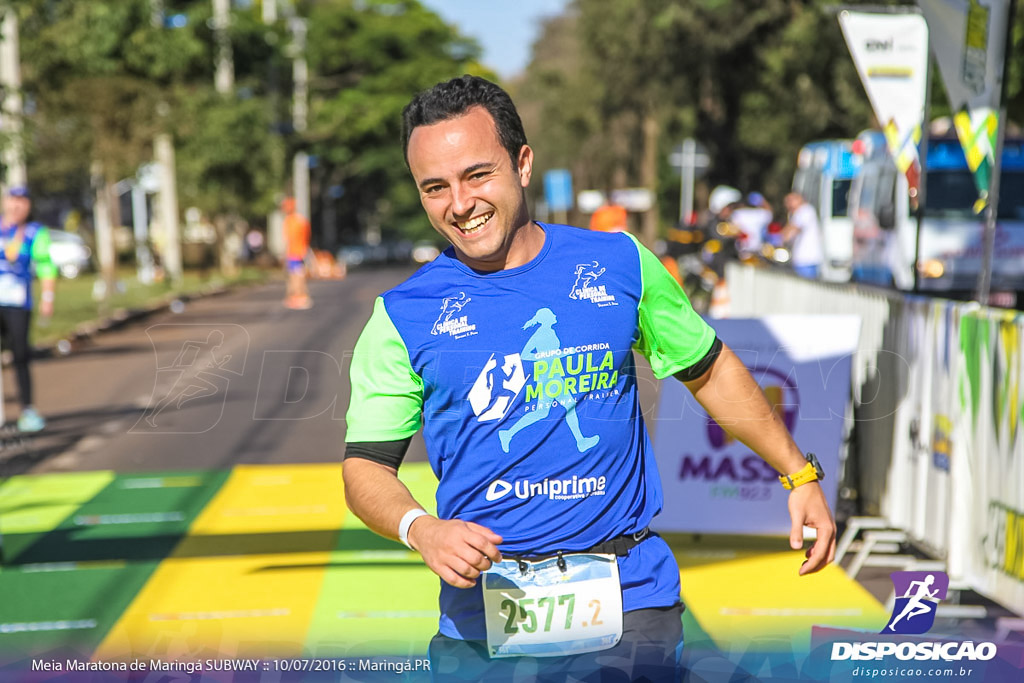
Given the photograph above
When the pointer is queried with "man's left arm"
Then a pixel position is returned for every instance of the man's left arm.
(733, 398)
(679, 342)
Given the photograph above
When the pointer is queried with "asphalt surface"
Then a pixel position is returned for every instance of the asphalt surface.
(274, 391)
(233, 379)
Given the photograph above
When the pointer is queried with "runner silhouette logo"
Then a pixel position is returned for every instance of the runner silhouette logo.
(917, 597)
(195, 365)
(496, 387)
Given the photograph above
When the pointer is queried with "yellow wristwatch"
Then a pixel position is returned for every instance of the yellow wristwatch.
(810, 472)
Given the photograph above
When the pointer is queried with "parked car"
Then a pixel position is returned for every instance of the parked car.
(356, 255)
(387, 252)
(69, 253)
(425, 251)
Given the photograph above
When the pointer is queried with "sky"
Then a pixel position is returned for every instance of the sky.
(505, 29)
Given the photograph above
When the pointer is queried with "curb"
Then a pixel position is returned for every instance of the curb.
(121, 317)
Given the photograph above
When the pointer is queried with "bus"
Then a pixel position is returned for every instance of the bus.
(952, 235)
(824, 174)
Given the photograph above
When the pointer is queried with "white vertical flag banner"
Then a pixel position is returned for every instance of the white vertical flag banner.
(891, 55)
(970, 38)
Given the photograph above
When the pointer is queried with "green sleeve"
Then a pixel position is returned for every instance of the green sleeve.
(387, 395)
(672, 335)
(45, 269)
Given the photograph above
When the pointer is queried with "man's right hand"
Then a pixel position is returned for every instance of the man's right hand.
(455, 550)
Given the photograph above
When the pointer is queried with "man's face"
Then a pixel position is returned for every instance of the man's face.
(793, 202)
(16, 209)
(472, 194)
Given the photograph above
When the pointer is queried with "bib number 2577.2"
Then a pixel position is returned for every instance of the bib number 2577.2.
(549, 611)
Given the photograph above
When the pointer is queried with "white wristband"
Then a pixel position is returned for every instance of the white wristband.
(407, 519)
(47, 296)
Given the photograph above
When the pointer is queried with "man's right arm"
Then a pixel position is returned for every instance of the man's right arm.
(455, 550)
(384, 412)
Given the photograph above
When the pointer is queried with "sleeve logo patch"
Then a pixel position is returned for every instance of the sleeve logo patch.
(450, 322)
(585, 289)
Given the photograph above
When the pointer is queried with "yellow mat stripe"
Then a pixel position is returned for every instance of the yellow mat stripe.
(739, 599)
(245, 581)
(39, 503)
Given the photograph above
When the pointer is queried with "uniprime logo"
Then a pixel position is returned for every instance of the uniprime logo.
(917, 596)
(574, 488)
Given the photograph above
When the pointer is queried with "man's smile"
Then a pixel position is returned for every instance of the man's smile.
(473, 225)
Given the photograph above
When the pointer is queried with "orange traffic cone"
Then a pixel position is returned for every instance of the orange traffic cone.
(720, 304)
(298, 302)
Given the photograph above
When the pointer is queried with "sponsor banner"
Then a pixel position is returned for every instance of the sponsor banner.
(937, 425)
(713, 483)
(991, 477)
(939, 389)
(891, 55)
(969, 39)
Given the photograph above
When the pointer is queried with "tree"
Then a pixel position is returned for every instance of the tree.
(105, 77)
(368, 59)
(751, 79)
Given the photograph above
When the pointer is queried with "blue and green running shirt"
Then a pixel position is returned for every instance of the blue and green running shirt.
(20, 260)
(524, 383)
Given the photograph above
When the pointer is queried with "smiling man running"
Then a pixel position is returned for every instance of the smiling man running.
(546, 561)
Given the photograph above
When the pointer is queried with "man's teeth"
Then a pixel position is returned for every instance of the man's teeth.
(474, 224)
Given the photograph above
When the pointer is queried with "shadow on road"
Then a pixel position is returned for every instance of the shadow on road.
(72, 544)
(21, 453)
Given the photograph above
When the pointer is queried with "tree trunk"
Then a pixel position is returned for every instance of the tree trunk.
(649, 176)
(103, 227)
(228, 245)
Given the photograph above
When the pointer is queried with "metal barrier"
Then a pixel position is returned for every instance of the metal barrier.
(936, 449)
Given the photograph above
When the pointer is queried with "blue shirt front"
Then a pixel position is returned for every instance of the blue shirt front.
(16, 267)
(530, 409)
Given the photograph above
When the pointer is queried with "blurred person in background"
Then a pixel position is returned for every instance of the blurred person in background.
(803, 235)
(26, 250)
(609, 217)
(296, 237)
(721, 233)
(752, 219)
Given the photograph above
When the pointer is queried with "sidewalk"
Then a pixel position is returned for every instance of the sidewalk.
(78, 316)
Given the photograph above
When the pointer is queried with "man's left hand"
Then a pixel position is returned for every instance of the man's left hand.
(808, 507)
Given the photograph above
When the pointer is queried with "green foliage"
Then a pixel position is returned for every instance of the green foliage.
(369, 59)
(104, 77)
(751, 79)
(228, 162)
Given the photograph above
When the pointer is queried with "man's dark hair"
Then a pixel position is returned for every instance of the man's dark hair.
(454, 98)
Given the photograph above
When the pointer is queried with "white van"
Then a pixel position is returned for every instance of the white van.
(952, 235)
(824, 175)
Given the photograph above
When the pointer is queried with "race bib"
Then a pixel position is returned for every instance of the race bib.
(548, 611)
(13, 290)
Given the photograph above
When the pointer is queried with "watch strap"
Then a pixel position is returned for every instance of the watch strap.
(805, 475)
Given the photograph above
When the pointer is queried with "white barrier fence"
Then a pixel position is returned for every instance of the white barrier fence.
(938, 438)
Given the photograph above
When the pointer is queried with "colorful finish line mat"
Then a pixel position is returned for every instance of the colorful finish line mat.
(744, 593)
(265, 561)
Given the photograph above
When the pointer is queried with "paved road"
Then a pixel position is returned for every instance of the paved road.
(234, 379)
